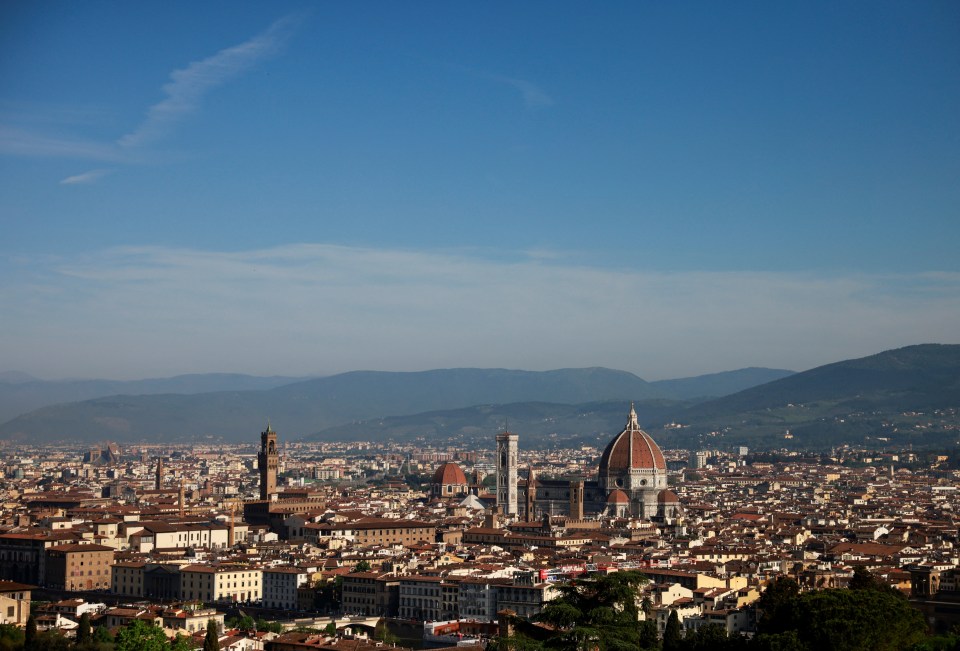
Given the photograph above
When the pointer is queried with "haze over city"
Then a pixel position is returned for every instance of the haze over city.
(298, 188)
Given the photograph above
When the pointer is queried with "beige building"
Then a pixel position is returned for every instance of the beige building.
(232, 583)
(191, 620)
(147, 536)
(79, 567)
(14, 603)
(385, 532)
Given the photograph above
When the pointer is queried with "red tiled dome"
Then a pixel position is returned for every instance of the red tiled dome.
(449, 473)
(618, 497)
(667, 496)
(632, 449)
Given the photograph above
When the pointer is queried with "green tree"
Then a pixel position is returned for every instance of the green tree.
(516, 642)
(646, 607)
(30, 634)
(710, 637)
(850, 620)
(212, 641)
(11, 637)
(140, 636)
(786, 641)
(49, 641)
(672, 638)
(384, 634)
(863, 579)
(181, 643)
(362, 566)
(779, 594)
(272, 627)
(84, 635)
(596, 612)
(328, 595)
(102, 635)
(649, 637)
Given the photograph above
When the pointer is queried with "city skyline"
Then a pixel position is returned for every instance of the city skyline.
(299, 189)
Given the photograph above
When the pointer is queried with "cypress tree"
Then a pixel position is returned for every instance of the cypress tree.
(672, 640)
(30, 636)
(83, 632)
(212, 641)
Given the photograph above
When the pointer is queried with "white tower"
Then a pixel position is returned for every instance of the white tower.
(507, 473)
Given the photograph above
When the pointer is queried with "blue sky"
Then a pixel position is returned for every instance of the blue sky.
(292, 187)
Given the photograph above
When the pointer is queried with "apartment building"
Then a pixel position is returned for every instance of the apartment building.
(221, 583)
(280, 586)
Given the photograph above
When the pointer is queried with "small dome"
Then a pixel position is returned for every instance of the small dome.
(667, 496)
(449, 473)
(618, 497)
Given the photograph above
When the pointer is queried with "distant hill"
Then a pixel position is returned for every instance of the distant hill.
(899, 397)
(719, 384)
(21, 393)
(540, 424)
(16, 377)
(906, 396)
(312, 405)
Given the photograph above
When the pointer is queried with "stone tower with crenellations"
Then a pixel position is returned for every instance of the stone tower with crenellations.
(267, 462)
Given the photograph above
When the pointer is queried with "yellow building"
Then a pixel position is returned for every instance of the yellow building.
(233, 583)
(14, 603)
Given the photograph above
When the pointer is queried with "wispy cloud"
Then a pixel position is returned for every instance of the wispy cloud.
(533, 96)
(187, 86)
(183, 95)
(86, 177)
(20, 142)
(312, 308)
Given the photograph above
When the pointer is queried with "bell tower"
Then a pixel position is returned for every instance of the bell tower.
(267, 461)
(507, 473)
(158, 475)
(531, 504)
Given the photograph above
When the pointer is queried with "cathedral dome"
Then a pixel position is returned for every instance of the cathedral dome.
(632, 449)
(449, 473)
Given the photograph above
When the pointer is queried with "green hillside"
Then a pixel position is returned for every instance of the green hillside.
(904, 396)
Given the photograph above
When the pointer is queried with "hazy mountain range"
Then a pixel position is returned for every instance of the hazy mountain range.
(909, 395)
(21, 393)
(303, 407)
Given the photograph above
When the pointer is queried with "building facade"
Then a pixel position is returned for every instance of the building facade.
(231, 583)
(79, 567)
(280, 585)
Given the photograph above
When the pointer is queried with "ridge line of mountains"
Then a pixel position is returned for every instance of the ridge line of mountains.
(852, 401)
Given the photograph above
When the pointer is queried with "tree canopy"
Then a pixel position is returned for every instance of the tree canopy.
(141, 636)
(599, 612)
